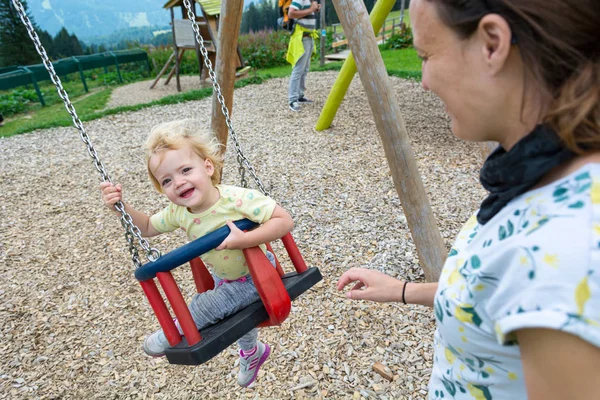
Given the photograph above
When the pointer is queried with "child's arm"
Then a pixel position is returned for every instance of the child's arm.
(111, 194)
(277, 226)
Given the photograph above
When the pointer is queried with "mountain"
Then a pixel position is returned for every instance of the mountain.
(90, 19)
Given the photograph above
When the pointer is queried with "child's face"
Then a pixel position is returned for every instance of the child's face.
(185, 178)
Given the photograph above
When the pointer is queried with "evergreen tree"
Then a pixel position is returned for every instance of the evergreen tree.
(252, 16)
(48, 43)
(62, 43)
(16, 47)
(76, 49)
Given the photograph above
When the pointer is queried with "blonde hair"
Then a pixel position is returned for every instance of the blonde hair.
(183, 133)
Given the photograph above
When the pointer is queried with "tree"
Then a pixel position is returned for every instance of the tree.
(48, 43)
(62, 43)
(76, 49)
(16, 48)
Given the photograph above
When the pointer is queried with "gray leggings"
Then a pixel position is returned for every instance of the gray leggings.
(224, 300)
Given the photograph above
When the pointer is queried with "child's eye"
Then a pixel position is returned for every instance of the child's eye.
(187, 169)
(165, 182)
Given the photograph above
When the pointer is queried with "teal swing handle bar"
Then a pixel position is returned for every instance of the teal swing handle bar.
(189, 251)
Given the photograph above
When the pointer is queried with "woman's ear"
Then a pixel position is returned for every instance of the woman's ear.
(210, 167)
(495, 37)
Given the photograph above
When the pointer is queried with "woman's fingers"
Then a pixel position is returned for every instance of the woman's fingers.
(352, 275)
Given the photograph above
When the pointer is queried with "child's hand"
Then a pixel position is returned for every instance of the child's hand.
(111, 194)
(235, 240)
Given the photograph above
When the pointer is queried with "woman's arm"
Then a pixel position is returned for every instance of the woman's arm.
(379, 287)
(558, 365)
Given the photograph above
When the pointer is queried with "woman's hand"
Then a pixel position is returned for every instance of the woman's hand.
(236, 240)
(371, 285)
(111, 194)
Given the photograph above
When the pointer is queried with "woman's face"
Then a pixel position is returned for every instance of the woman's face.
(463, 73)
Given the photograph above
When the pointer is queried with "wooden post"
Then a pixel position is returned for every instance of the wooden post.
(379, 13)
(175, 50)
(179, 58)
(390, 124)
(163, 70)
(229, 28)
(402, 7)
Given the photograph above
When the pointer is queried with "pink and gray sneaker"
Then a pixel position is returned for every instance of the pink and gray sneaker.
(250, 363)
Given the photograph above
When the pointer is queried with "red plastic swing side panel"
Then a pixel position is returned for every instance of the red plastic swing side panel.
(202, 278)
(277, 264)
(295, 256)
(160, 310)
(180, 308)
(269, 286)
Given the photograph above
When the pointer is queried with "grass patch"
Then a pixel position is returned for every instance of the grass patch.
(402, 63)
(88, 109)
(396, 61)
(401, 60)
(55, 114)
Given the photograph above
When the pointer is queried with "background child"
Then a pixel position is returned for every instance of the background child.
(184, 163)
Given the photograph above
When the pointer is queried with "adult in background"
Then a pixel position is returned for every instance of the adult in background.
(300, 48)
(517, 305)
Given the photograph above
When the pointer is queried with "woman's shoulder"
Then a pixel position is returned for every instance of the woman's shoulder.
(563, 206)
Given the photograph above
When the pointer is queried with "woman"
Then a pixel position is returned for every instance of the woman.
(518, 302)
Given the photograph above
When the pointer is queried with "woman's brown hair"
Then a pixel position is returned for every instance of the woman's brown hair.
(559, 41)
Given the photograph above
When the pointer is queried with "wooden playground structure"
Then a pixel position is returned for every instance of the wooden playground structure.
(209, 21)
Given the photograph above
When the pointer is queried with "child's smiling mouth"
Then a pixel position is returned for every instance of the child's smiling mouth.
(187, 193)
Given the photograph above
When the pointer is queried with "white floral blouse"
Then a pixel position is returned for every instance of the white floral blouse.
(536, 264)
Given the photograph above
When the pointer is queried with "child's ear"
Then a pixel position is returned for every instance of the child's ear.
(210, 167)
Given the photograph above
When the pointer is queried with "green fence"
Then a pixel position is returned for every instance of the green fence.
(15, 76)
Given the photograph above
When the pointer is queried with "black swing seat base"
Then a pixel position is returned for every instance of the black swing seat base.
(218, 337)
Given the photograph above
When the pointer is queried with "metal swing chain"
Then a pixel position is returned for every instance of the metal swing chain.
(244, 163)
(131, 230)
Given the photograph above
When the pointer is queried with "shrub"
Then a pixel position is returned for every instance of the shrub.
(264, 49)
(16, 101)
(400, 40)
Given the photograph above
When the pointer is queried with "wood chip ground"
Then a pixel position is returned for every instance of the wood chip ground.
(73, 318)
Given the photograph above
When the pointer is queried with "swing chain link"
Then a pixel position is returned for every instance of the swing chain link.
(244, 163)
(131, 230)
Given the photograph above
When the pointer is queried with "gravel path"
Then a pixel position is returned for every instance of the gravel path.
(73, 318)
